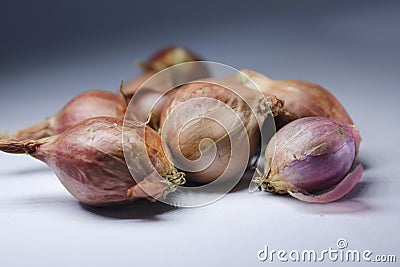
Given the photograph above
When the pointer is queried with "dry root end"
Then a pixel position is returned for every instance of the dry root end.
(173, 181)
(259, 180)
(272, 104)
(170, 183)
(263, 182)
(177, 178)
(171, 188)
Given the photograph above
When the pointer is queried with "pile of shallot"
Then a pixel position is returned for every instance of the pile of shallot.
(104, 154)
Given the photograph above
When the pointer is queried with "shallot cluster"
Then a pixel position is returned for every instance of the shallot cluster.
(204, 131)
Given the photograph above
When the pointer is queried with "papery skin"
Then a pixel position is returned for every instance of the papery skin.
(89, 161)
(301, 98)
(310, 156)
(94, 103)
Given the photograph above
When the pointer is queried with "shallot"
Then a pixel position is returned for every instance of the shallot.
(211, 131)
(301, 99)
(163, 59)
(311, 159)
(89, 161)
(168, 57)
(89, 104)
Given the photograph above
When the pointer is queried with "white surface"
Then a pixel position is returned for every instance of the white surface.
(42, 225)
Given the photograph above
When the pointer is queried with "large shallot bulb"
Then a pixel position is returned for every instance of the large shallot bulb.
(89, 161)
(301, 99)
(211, 131)
(90, 104)
(311, 159)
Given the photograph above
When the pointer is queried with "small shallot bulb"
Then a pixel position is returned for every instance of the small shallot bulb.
(168, 57)
(311, 159)
(94, 103)
(301, 98)
(162, 59)
(90, 162)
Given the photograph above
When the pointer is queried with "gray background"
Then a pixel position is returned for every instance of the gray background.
(51, 51)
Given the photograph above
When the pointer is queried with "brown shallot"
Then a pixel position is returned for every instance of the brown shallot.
(205, 122)
(301, 98)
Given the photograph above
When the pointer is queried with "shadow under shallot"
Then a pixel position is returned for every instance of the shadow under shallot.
(364, 162)
(347, 204)
(244, 182)
(358, 190)
(141, 209)
(340, 207)
(34, 170)
(43, 201)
